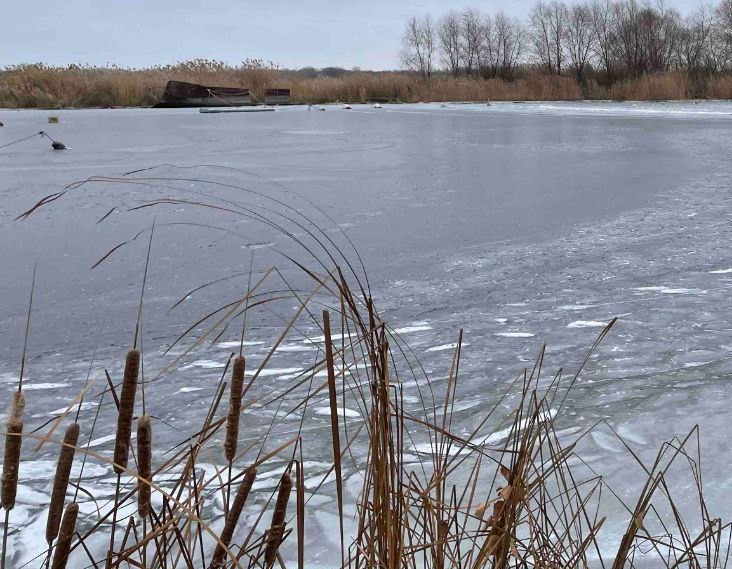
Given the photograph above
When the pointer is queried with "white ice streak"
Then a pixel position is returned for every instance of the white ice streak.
(587, 324)
(515, 334)
(670, 290)
(39, 386)
(444, 347)
(237, 343)
(342, 412)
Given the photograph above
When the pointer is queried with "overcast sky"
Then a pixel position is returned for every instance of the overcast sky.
(291, 33)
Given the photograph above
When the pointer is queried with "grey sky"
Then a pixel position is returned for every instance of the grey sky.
(292, 33)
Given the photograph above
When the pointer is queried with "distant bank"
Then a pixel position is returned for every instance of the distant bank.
(41, 86)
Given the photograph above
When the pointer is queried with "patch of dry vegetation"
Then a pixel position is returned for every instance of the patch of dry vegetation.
(512, 493)
(42, 86)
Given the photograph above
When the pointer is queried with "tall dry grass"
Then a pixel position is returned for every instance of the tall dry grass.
(43, 86)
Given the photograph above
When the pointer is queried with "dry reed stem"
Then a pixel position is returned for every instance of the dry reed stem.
(144, 464)
(277, 527)
(126, 410)
(13, 443)
(334, 428)
(232, 419)
(218, 559)
(65, 535)
(61, 481)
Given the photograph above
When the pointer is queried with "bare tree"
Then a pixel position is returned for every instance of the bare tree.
(647, 37)
(418, 46)
(471, 36)
(580, 39)
(603, 27)
(721, 37)
(549, 28)
(448, 34)
(504, 42)
(693, 46)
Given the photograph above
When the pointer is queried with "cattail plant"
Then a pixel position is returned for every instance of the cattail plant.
(65, 536)
(218, 559)
(232, 419)
(144, 464)
(11, 460)
(277, 528)
(61, 481)
(126, 410)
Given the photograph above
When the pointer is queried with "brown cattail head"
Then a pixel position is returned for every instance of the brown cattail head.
(277, 529)
(126, 410)
(11, 460)
(65, 536)
(61, 481)
(144, 463)
(232, 420)
(218, 559)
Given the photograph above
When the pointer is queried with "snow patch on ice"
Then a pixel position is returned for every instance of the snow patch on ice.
(342, 412)
(587, 324)
(189, 389)
(515, 334)
(444, 347)
(205, 364)
(237, 343)
(38, 386)
(412, 329)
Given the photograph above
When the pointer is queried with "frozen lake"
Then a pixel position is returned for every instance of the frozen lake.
(521, 223)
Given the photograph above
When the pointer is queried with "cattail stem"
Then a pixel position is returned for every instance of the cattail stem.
(65, 535)
(232, 419)
(126, 410)
(144, 464)
(61, 481)
(232, 519)
(5, 539)
(277, 528)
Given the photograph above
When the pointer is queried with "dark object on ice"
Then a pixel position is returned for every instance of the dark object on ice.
(179, 94)
(55, 144)
(277, 97)
(1, 123)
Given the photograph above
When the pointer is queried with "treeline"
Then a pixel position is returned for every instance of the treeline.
(603, 40)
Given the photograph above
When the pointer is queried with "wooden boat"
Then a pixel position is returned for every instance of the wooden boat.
(180, 94)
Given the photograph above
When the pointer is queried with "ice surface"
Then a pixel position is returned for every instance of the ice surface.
(517, 223)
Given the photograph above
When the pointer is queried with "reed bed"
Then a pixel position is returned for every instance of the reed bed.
(44, 86)
(513, 492)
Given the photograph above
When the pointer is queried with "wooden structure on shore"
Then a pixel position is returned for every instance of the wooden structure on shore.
(181, 94)
(277, 97)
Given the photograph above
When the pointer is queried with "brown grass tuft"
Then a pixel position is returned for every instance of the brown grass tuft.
(144, 463)
(126, 410)
(232, 419)
(65, 535)
(61, 481)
